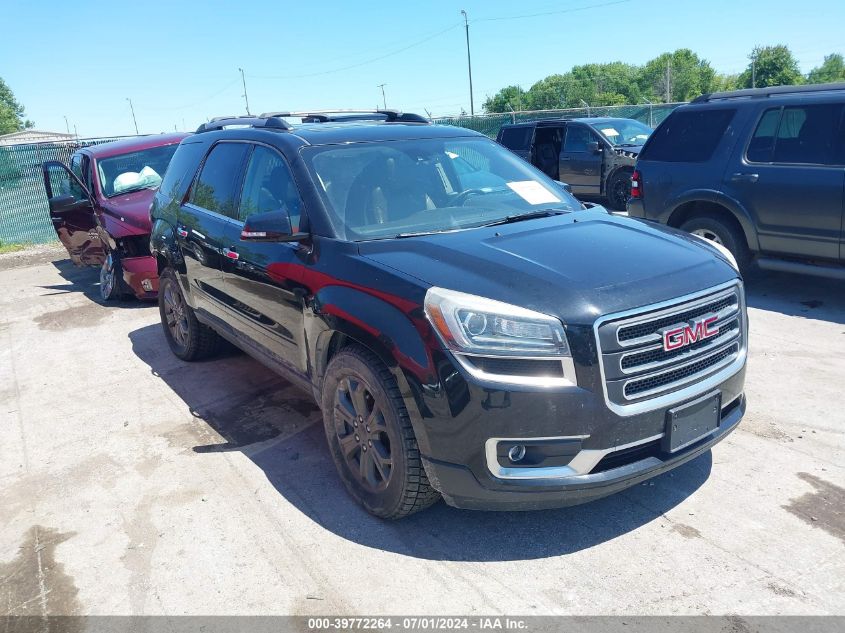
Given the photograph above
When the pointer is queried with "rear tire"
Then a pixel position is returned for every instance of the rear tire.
(188, 338)
(717, 230)
(370, 436)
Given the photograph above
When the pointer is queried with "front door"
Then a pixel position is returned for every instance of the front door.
(203, 222)
(580, 164)
(261, 279)
(72, 214)
(789, 180)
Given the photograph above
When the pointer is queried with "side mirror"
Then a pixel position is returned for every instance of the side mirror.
(272, 226)
(566, 187)
(593, 147)
(65, 203)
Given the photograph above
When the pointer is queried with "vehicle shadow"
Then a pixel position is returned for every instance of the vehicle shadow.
(279, 428)
(797, 295)
(86, 280)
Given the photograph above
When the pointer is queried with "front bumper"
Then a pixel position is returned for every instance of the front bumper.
(628, 447)
(141, 275)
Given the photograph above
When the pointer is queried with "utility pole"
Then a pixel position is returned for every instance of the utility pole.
(67, 126)
(383, 98)
(469, 65)
(134, 120)
(754, 72)
(244, 95)
(669, 80)
(586, 105)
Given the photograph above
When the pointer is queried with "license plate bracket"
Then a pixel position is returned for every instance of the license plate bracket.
(691, 422)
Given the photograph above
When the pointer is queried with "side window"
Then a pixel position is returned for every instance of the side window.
(62, 184)
(839, 141)
(763, 141)
(216, 189)
(269, 186)
(577, 138)
(689, 136)
(806, 134)
(517, 137)
(76, 167)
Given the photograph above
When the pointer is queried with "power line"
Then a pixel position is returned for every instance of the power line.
(545, 13)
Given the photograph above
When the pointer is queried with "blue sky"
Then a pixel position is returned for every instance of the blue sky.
(178, 61)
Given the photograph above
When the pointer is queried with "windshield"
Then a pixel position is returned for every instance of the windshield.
(623, 131)
(399, 188)
(134, 171)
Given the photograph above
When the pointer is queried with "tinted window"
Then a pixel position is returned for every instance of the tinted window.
(577, 138)
(806, 134)
(517, 137)
(688, 136)
(184, 164)
(269, 186)
(763, 141)
(76, 166)
(216, 187)
(839, 141)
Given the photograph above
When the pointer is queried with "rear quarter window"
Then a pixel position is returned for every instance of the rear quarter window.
(516, 137)
(689, 136)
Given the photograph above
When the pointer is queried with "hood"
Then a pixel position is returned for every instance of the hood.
(128, 214)
(577, 266)
(630, 151)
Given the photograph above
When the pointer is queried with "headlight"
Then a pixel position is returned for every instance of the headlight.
(476, 325)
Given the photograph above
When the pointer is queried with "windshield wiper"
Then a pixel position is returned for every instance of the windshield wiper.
(540, 213)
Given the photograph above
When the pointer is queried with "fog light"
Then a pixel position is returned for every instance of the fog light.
(516, 453)
(147, 285)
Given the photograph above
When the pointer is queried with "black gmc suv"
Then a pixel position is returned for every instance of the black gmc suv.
(468, 328)
(761, 172)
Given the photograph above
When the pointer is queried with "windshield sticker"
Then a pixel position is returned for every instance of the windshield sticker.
(609, 131)
(533, 192)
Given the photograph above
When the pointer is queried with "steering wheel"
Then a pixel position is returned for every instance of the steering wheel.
(461, 198)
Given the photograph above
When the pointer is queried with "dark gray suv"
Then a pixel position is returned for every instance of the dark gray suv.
(761, 172)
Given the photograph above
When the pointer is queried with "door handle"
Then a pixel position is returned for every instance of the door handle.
(230, 253)
(740, 177)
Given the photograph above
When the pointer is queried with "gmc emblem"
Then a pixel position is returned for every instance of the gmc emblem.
(683, 334)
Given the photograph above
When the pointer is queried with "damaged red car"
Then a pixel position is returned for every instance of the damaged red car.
(100, 208)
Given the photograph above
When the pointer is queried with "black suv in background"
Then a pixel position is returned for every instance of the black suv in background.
(761, 172)
(468, 328)
(594, 156)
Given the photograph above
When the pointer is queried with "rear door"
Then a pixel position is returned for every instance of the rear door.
(518, 139)
(580, 166)
(72, 214)
(260, 279)
(203, 222)
(789, 179)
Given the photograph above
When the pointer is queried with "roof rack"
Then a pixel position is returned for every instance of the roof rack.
(774, 91)
(263, 121)
(334, 115)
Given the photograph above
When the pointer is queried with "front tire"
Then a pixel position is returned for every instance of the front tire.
(111, 279)
(619, 190)
(188, 338)
(370, 436)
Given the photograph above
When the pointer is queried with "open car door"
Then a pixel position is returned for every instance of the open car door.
(72, 214)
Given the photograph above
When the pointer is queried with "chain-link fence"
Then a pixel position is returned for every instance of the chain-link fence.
(24, 214)
(489, 124)
(25, 217)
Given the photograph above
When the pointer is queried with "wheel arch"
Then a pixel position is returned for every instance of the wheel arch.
(722, 208)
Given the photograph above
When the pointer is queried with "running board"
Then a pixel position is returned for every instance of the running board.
(787, 266)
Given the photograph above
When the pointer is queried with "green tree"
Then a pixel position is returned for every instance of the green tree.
(771, 66)
(833, 69)
(684, 73)
(512, 96)
(11, 112)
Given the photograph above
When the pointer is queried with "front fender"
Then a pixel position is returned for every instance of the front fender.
(394, 334)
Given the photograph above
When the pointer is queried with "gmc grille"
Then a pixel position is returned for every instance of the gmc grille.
(637, 370)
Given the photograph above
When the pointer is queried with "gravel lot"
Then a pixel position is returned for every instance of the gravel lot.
(133, 483)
